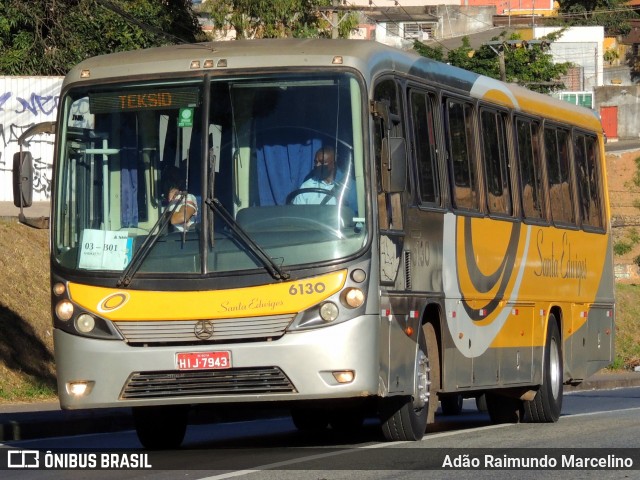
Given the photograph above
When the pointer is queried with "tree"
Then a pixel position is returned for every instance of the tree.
(614, 15)
(48, 37)
(274, 18)
(428, 51)
(526, 64)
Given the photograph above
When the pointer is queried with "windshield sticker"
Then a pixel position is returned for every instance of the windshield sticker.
(185, 118)
(105, 250)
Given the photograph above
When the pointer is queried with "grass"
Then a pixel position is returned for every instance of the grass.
(627, 326)
(27, 370)
(26, 345)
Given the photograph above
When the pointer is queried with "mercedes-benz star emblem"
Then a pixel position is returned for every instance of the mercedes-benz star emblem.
(203, 329)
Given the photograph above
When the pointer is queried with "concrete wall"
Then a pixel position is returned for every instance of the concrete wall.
(458, 21)
(25, 101)
(453, 21)
(627, 99)
(582, 46)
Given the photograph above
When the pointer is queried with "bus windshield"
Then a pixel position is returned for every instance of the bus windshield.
(204, 176)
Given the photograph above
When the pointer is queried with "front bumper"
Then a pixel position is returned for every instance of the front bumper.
(307, 359)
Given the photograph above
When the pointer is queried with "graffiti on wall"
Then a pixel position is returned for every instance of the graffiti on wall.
(24, 102)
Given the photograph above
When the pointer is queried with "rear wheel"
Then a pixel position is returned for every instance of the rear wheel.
(162, 427)
(547, 404)
(405, 418)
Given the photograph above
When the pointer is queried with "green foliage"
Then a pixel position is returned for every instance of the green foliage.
(532, 67)
(611, 55)
(613, 15)
(48, 37)
(275, 18)
(434, 53)
(622, 248)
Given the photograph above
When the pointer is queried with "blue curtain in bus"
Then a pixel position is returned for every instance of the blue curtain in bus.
(129, 173)
(282, 167)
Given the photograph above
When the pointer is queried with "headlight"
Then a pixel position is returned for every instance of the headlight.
(85, 323)
(329, 311)
(353, 297)
(64, 310)
(58, 288)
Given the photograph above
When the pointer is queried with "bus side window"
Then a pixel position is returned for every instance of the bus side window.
(557, 155)
(459, 131)
(530, 171)
(494, 151)
(586, 156)
(425, 143)
(595, 203)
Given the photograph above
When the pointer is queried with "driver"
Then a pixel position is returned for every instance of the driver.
(323, 177)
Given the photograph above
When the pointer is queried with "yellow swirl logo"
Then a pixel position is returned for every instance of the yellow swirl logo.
(113, 302)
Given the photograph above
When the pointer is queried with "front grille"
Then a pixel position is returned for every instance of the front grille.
(184, 331)
(235, 381)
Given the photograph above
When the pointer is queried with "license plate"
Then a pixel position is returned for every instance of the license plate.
(203, 360)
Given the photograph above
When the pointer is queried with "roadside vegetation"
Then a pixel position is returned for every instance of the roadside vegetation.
(627, 327)
(27, 370)
(26, 345)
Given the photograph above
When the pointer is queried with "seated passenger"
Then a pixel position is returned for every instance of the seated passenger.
(186, 211)
(324, 176)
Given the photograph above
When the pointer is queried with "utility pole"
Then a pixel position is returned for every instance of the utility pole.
(499, 47)
(334, 20)
(499, 51)
(331, 15)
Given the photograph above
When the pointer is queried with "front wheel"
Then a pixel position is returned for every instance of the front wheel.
(161, 427)
(405, 418)
(546, 405)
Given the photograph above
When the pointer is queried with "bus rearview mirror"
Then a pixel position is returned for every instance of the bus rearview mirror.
(22, 179)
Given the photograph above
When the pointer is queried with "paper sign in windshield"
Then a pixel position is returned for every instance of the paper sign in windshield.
(105, 250)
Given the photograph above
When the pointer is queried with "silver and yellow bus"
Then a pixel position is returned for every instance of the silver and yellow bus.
(460, 248)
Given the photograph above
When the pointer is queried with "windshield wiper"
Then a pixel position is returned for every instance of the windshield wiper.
(149, 242)
(274, 269)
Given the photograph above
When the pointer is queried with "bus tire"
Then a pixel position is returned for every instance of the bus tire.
(404, 418)
(504, 408)
(161, 427)
(309, 419)
(547, 404)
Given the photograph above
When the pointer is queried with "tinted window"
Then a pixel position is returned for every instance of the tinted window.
(586, 161)
(556, 142)
(459, 125)
(494, 153)
(530, 171)
(425, 143)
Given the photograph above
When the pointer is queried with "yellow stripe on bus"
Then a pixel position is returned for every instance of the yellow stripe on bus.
(273, 299)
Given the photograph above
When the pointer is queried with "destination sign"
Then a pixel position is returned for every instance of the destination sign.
(149, 99)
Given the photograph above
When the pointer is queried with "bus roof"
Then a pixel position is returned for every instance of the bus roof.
(368, 57)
